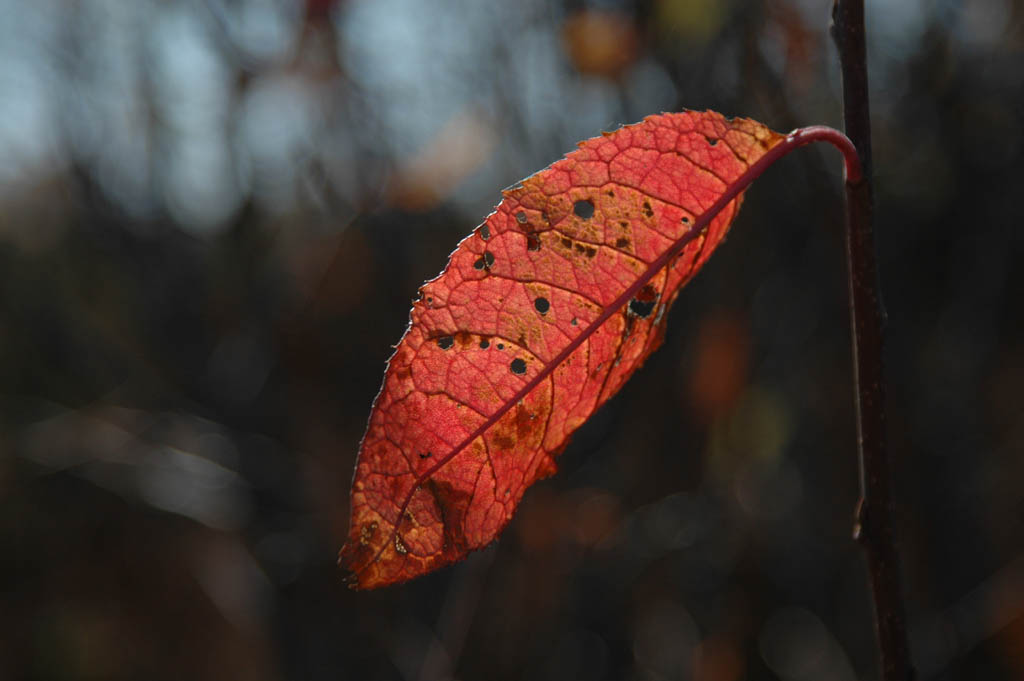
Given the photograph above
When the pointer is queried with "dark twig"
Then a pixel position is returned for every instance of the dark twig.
(874, 528)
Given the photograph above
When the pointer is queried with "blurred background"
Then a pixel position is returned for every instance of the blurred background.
(214, 215)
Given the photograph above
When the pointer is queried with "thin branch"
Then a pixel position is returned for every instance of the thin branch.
(874, 525)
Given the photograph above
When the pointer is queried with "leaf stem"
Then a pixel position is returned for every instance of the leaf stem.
(874, 525)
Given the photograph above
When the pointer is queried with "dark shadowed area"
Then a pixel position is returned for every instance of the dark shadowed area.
(214, 215)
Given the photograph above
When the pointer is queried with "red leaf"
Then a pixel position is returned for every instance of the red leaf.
(541, 316)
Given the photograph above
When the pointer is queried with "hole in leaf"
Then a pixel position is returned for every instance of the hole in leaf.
(445, 342)
(518, 366)
(484, 344)
(711, 140)
(643, 303)
(584, 209)
(574, 322)
(426, 455)
(641, 308)
(501, 346)
(485, 232)
(484, 262)
(532, 242)
(685, 220)
(542, 305)
(521, 217)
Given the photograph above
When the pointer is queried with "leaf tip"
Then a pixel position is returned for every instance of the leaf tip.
(348, 576)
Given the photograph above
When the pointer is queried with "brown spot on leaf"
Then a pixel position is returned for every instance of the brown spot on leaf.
(647, 294)
(648, 211)
(622, 242)
(532, 242)
(452, 505)
(407, 524)
(526, 422)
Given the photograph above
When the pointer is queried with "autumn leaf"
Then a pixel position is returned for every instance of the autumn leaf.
(541, 315)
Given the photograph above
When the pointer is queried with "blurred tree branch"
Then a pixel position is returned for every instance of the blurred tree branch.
(874, 528)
